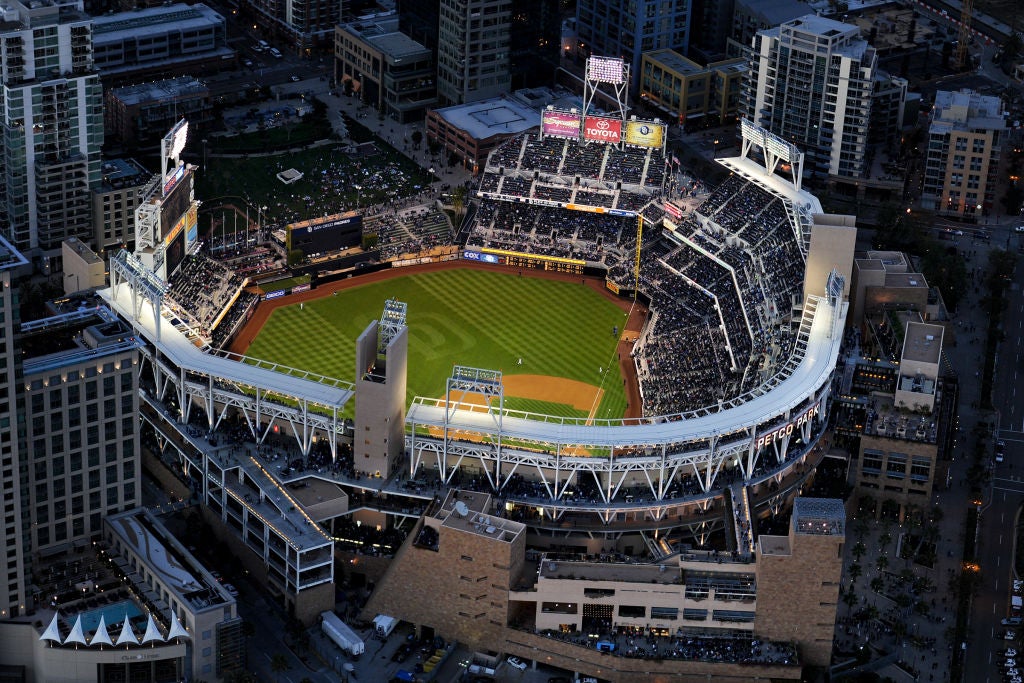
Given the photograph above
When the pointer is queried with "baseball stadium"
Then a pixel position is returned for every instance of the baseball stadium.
(599, 361)
(590, 354)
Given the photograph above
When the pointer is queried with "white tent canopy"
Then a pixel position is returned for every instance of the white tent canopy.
(101, 636)
(127, 636)
(152, 632)
(76, 635)
(52, 631)
(177, 630)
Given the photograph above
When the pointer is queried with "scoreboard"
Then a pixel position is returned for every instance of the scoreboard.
(519, 259)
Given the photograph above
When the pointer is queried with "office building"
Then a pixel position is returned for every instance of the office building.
(83, 268)
(391, 72)
(14, 520)
(687, 91)
(474, 40)
(627, 29)
(810, 82)
(964, 141)
(125, 183)
(140, 114)
(53, 118)
(162, 41)
(81, 393)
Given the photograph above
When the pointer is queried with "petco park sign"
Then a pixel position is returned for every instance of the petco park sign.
(787, 429)
(602, 129)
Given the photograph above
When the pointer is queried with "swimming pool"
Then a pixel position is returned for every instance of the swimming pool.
(112, 614)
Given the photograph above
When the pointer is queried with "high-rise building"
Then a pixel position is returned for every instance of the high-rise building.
(81, 404)
(810, 82)
(628, 28)
(52, 118)
(473, 52)
(535, 42)
(964, 141)
(14, 521)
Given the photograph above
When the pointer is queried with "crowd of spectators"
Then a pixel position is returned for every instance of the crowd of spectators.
(202, 288)
(682, 645)
(234, 319)
(410, 231)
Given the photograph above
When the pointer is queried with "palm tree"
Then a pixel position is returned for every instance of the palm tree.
(459, 200)
(279, 663)
(859, 550)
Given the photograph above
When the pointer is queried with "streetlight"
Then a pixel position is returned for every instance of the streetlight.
(204, 155)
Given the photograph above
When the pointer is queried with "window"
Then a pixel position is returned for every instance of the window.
(632, 611)
(666, 613)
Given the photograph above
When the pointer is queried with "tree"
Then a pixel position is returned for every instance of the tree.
(859, 550)
(295, 257)
(417, 138)
(279, 663)
(459, 200)
(855, 571)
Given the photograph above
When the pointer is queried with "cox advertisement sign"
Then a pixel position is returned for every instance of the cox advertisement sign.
(477, 256)
(560, 124)
(602, 129)
(644, 133)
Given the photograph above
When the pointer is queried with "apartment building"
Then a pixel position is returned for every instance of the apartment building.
(687, 91)
(810, 82)
(125, 183)
(50, 155)
(964, 142)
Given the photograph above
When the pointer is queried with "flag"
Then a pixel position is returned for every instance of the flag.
(675, 160)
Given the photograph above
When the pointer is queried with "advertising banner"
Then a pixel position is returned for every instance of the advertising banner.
(273, 295)
(602, 129)
(645, 133)
(560, 124)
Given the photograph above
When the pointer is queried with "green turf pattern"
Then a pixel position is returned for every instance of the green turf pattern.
(487, 319)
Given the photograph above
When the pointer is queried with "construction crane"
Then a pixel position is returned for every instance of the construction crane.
(963, 55)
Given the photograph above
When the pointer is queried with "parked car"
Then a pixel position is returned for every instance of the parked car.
(1012, 621)
(517, 663)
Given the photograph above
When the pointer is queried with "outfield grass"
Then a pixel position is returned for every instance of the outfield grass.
(486, 319)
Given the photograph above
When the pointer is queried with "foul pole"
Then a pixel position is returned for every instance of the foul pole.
(636, 265)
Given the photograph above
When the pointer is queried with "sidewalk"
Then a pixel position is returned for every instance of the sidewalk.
(925, 649)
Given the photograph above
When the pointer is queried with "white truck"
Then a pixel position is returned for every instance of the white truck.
(343, 636)
(383, 625)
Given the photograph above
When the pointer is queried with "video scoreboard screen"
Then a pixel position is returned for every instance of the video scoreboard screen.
(176, 202)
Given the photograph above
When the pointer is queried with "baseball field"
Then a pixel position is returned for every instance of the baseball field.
(555, 341)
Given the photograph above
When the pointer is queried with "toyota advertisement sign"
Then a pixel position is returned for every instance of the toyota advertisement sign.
(560, 124)
(602, 129)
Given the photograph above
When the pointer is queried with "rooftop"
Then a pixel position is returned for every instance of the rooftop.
(173, 566)
(83, 250)
(9, 256)
(966, 109)
(121, 173)
(774, 545)
(610, 571)
(923, 342)
(905, 280)
(382, 32)
(487, 118)
(819, 516)
(160, 91)
(469, 511)
(178, 17)
(674, 61)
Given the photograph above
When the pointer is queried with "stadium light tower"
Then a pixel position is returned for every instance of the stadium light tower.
(609, 71)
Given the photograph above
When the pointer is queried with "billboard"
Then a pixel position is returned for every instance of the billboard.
(175, 249)
(602, 129)
(176, 202)
(606, 69)
(644, 134)
(560, 124)
(192, 224)
(324, 235)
